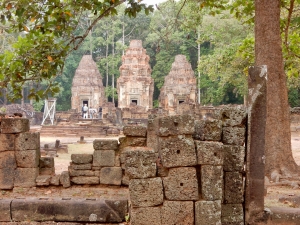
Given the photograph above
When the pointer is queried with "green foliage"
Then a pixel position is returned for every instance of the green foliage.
(48, 32)
(38, 105)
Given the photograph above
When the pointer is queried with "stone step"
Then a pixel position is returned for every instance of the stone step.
(63, 209)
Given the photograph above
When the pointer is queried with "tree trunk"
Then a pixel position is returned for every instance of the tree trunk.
(268, 51)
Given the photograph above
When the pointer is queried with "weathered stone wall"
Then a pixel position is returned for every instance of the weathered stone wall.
(190, 172)
(179, 170)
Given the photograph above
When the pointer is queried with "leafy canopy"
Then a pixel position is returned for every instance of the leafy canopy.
(47, 32)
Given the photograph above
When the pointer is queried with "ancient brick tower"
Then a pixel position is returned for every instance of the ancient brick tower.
(87, 87)
(135, 85)
(179, 86)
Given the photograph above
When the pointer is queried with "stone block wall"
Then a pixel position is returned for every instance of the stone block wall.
(19, 154)
(179, 171)
(190, 172)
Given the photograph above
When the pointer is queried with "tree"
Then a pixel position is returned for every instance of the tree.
(268, 51)
(47, 36)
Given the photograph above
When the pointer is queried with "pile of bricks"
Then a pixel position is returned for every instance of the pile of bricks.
(191, 171)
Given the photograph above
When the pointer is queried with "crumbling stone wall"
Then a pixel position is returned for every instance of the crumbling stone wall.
(191, 172)
(179, 170)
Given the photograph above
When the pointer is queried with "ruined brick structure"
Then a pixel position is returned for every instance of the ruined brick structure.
(179, 87)
(87, 87)
(179, 171)
(135, 85)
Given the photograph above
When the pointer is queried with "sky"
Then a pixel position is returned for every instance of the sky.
(152, 2)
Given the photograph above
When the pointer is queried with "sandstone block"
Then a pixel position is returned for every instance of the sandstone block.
(208, 130)
(7, 160)
(82, 158)
(208, 212)
(64, 179)
(181, 184)
(209, 152)
(132, 141)
(85, 180)
(46, 162)
(77, 173)
(161, 170)
(136, 131)
(47, 171)
(146, 192)
(117, 161)
(7, 142)
(104, 158)
(139, 162)
(105, 144)
(28, 158)
(55, 180)
(7, 178)
(233, 116)
(87, 166)
(234, 192)
(125, 180)
(175, 125)
(14, 125)
(25, 177)
(234, 136)
(177, 212)
(43, 180)
(145, 216)
(211, 182)
(79, 211)
(5, 210)
(152, 123)
(234, 158)
(27, 141)
(111, 175)
(152, 141)
(177, 151)
(232, 214)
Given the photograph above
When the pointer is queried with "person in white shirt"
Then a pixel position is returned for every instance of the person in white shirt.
(85, 111)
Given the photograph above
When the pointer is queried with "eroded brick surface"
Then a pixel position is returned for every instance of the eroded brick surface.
(175, 125)
(208, 130)
(139, 162)
(233, 187)
(211, 182)
(104, 158)
(177, 151)
(209, 153)
(146, 215)
(208, 212)
(105, 144)
(234, 158)
(136, 131)
(178, 212)
(146, 192)
(181, 184)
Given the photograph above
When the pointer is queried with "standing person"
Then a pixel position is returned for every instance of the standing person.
(100, 112)
(85, 111)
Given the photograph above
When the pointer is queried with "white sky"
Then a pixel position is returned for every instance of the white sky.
(152, 2)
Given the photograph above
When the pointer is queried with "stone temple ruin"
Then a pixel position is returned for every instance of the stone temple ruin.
(135, 85)
(87, 87)
(180, 86)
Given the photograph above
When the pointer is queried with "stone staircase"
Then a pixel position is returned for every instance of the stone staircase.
(84, 127)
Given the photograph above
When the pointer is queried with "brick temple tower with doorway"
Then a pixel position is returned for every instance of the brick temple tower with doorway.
(87, 86)
(180, 86)
(135, 85)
